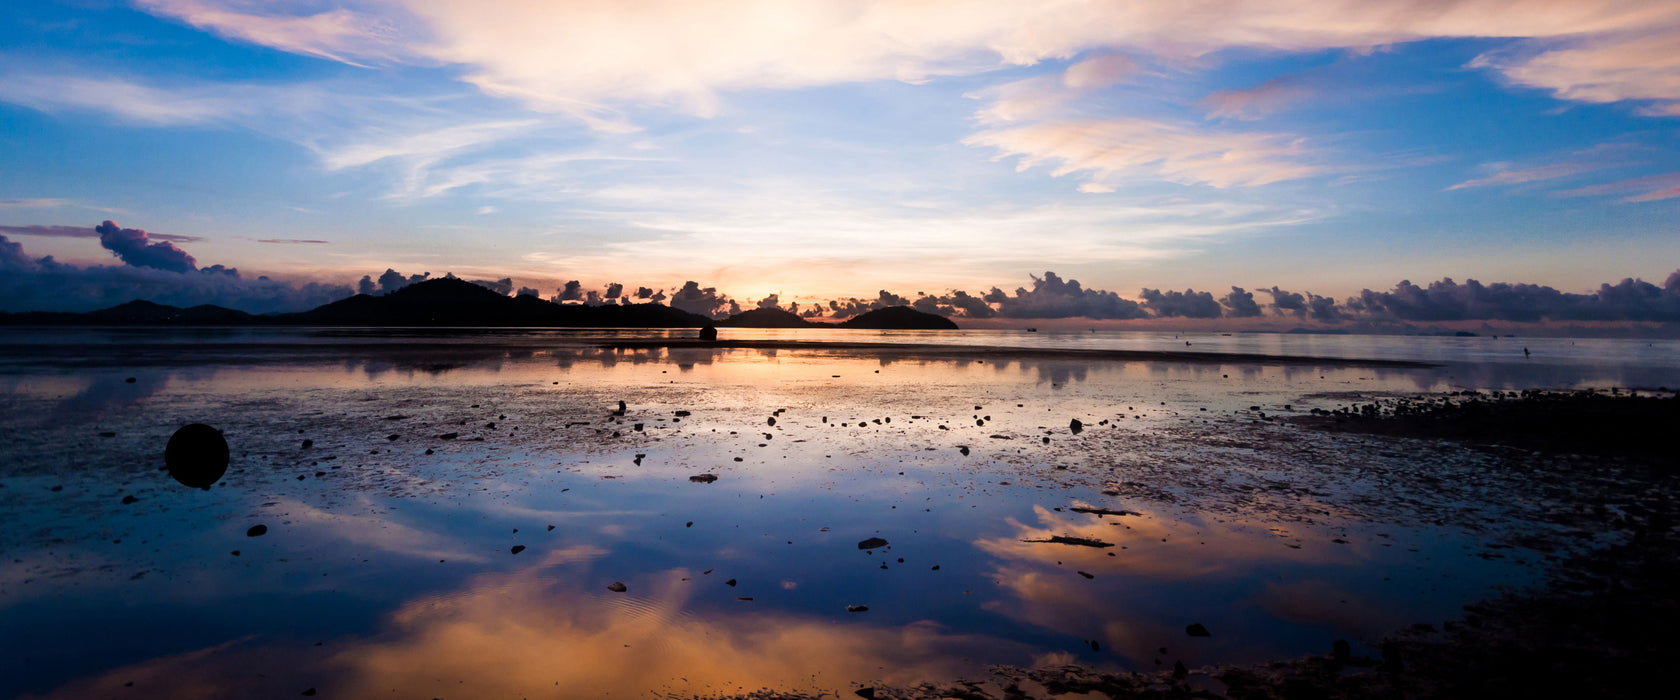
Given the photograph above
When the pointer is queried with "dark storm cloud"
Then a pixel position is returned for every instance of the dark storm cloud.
(1240, 304)
(390, 281)
(86, 232)
(1052, 297)
(614, 290)
(644, 292)
(1322, 308)
(704, 301)
(573, 291)
(134, 247)
(529, 292)
(503, 286)
(1283, 301)
(1188, 303)
(849, 307)
(1446, 300)
(44, 284)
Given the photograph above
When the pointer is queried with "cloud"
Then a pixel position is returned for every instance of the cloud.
(1266, 98)
(1188, 303)
(706, 302)
(614, 290)
(847, 308)
(1108, 150)
(33, 203)
(529, 292)
(86, 232)
(573, 291)
(503, 286)
(1287, 302)
(1051, 297)
(135, 248)
(1446, 300)
(957, 303)
(1644, 189)
(1640, 64)
(44, 284)
(1240, 304)
(1600, 157)
(284, 241)
(774, 301)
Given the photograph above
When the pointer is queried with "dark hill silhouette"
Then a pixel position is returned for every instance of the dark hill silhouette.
(455, 302)
(899, 318)
(439, 302)
(767, 318)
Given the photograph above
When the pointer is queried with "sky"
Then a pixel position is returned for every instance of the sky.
(833, 150)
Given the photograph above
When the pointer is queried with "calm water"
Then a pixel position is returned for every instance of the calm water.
(390, 571)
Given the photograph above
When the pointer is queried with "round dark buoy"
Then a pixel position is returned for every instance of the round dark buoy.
(709, 333)
(197, 455)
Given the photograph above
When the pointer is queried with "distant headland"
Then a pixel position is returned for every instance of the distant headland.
(454, 302)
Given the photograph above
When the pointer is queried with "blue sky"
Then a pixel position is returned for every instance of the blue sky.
(835, 149)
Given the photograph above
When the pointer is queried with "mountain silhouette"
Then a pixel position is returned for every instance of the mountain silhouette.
(899, 318)
(767, 318)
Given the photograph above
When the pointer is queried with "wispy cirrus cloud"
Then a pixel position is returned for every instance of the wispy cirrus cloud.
(1604, 156)
(61, 231)
(1643, 189)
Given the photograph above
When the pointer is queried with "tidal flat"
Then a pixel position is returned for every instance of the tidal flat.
(600, 514)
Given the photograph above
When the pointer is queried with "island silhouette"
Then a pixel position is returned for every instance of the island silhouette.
(455, 302)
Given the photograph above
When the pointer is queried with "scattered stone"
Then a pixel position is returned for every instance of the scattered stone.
(857, 608)
(1197, 630)
(131, 380)
(617, 587)
(129, 499)
(449, 436)
(865, 693)
(1099, 512)
(107, 434)
(1179, 671)
(310, 692)
(551, 528)
(682, 414)
(1086, 575)
(872, 543)
(517, 549)
(1341, 651)
(709, 333)
(196, 456)
(1076, 426)
(257, 531)
(392, 436)
(963, 450)
(772, 420)
(730, 582)
(705, 478)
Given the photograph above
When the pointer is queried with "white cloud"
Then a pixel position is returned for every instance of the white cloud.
(1106, 151)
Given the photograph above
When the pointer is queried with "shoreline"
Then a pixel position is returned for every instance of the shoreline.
(1017, 353)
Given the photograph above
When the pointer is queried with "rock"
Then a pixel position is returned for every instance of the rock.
(682, 414)
(551, 528)
(709, 333)
(129, 499)
(872, 543)
(857, 608)
(1076, 426)
(772, 420)
(257, 531)
(197, 455)
(703, 478)
(730, 582)
(865, 693)
(1179, 671)
(517, 549)
(449, 436)
(617, 587)
(1341, 651)
(392, 436)
(130, 380)
(1197, 630)
(107, 434)
(1086, 575)
(310, 692)
(963, 450)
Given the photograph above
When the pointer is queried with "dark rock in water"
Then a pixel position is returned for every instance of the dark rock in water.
(1086, 575)
(1341, 651)
(308, 444)
(865, 693)
(517, 549)
(1197, 630)
(1075, 541)
(197, 455)
(107, 434)
(1075, 426)
(449, 436)
(872, 543)
(129, 499)
(131, 380)
(772, 420)
(682, 414)
(392, 436)
(730, 582)
(617, 587)
(257, 531)
(1179, 671)
(703, 478)
(857, 608)
(709, 333)
(622, 408)
(963, 450)
(310, 692)
(551, 528)
(1391, 657)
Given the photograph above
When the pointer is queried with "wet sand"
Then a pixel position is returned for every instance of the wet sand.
(395, 484)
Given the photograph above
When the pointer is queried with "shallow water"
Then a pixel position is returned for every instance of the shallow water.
(386, 569)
